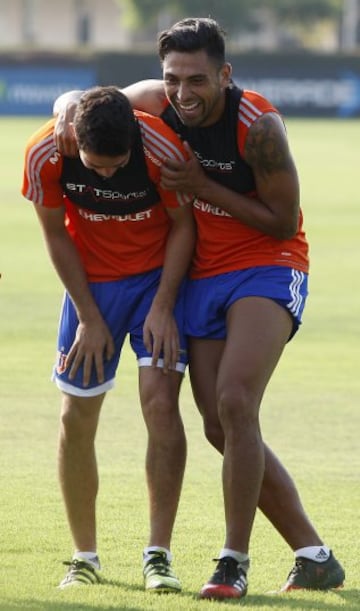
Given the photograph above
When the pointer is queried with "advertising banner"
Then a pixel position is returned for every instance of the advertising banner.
(32, 89)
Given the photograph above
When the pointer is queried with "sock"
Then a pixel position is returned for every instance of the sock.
(155, 548)
(317, 553)
(90, 557)
(242, 559)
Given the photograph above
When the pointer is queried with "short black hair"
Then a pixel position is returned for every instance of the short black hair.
(104, 122)
(194, 34)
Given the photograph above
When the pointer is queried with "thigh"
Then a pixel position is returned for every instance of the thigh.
(204, 361)
(137, 327)
(107, 296)
(257, 332)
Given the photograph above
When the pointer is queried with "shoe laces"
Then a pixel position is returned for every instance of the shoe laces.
(79, 566)
(158, 563)
(298, 567)
(227, 570)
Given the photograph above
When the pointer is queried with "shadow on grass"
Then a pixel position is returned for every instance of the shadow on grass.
(291, 600)
(45, 605)
(349, 599)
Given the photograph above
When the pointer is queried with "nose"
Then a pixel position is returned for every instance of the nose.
(105, 172)
(182, 92)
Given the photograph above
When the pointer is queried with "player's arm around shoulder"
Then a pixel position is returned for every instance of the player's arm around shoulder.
(268, 154)
(147, 95)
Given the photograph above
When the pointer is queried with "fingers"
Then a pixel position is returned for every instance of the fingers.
(76, 359)
(147, 339)
(87, 359)
(165, 346)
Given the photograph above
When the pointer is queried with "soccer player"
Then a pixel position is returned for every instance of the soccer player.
(248, 286)
(121, 245)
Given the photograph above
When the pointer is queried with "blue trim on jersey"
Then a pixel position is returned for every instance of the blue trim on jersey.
(124, 305)
(208, 299)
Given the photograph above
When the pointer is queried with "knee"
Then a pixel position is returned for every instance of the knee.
(162, 416)
(78, 417)
(238, 406)
(214, 434)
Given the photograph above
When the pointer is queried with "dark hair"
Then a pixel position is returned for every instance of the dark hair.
(194, 34)
(104, 122)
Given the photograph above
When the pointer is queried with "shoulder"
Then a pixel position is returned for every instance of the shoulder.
(41, 145)
(159, 138)
(252, 106)
(43, 162)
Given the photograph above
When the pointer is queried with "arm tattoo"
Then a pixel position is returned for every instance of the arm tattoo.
(266, 150)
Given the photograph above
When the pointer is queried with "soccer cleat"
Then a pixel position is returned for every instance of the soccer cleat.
(311, 575)
(80, 573)
(158, 575)
(228, 581)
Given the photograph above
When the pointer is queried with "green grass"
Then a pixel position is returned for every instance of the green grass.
(310, 415)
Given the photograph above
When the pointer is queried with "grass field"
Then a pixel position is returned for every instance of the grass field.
(310, 415)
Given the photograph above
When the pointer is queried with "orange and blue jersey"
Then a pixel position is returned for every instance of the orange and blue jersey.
(224, 243)
(119, 225)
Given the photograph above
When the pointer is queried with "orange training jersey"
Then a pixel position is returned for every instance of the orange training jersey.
(225, 244)
(112, 245)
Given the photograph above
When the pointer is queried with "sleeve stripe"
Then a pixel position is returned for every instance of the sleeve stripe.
(248, 113)
(158, 144)
(37, 157)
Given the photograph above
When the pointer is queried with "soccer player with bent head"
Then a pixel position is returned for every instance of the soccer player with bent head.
(121, 245)
(247, 290)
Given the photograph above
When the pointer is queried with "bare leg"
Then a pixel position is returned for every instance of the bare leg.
(166, 451)
(77, 466)
(281, 504)
(279, 499)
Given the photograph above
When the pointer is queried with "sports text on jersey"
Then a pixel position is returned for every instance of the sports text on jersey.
(106, 194)
(100, 218)
(212, 164)
(206, 207)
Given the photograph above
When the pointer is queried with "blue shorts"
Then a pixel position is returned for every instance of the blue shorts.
(208, 299)
(124, 305)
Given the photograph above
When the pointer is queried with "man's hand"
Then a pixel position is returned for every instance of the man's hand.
(160, 334)
(64, 135)
(93, 343)
(187, 176)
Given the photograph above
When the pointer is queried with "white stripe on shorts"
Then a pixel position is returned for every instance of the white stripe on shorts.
(295, 304)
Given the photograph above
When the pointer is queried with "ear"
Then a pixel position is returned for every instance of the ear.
(225, 75)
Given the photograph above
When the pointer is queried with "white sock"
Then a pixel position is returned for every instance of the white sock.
(155, 548)
(90, 557)
(242, 559)
(318, 553)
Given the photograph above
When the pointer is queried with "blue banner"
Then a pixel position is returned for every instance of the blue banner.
(31, 90)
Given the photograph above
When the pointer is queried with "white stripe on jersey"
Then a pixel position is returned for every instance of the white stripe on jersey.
(38, 155)
(158, 144)
(160, 147)
(248, 113)
(295, 304)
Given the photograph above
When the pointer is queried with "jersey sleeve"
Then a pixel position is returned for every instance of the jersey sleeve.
(160, 143)
(252, 106)
(42, 169)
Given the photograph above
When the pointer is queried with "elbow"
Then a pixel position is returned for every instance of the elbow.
(287, 230)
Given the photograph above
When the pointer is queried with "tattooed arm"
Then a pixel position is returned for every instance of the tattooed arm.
(275, 210)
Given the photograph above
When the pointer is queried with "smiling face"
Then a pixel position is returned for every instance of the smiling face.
(195, 86)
